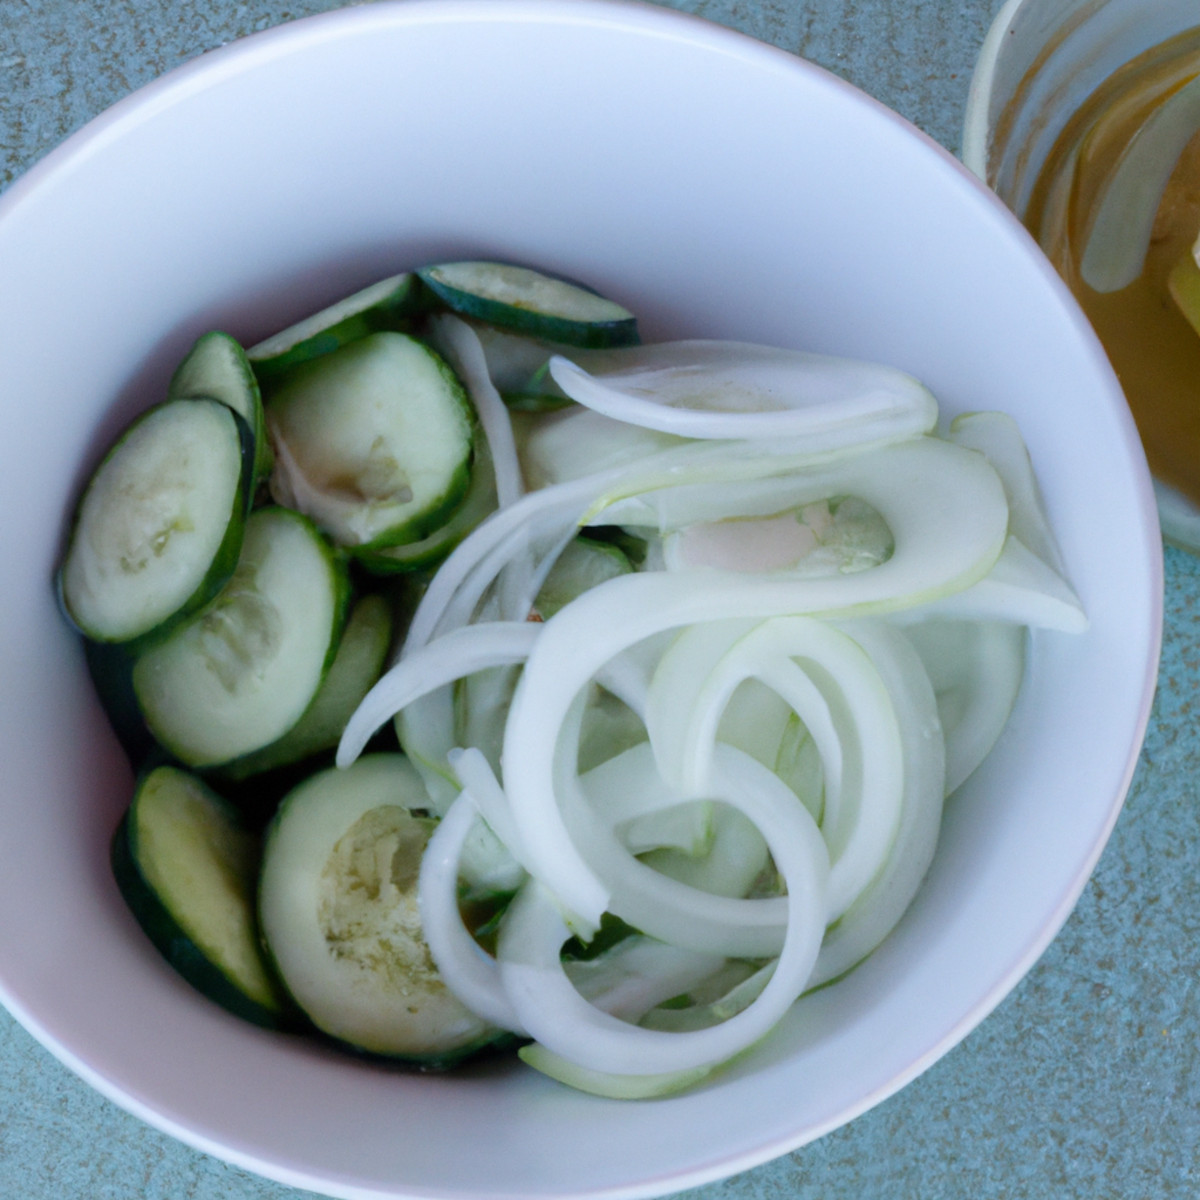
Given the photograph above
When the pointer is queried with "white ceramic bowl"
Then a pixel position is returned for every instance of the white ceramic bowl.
(718, 187)
(1040, 61)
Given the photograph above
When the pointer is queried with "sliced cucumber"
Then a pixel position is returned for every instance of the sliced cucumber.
(372, 441)
(387, 304)
(583, 565)
(243, 671)
(338, 903)
(478, 503)
(111, 669)
(216, 367)
(360, 657)
(187, 870)
(531, 303)
(159, 527)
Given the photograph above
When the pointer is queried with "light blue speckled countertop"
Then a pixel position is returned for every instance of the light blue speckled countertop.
(1085, 1083)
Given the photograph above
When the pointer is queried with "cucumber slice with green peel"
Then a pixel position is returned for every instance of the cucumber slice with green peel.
(583, 565)
(216, 367)
(159, 527)
(532, 303)
(338, 909)
(361, 654)
(372, 441)
(388, 304)
(243, 671)
(478, 503)
(188, 870)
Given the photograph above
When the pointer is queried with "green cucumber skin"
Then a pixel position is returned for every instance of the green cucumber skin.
(371, 618)
(476, 505)
(271, 371)
(110, 667)
(420, 525)
(196, 377)
(220, 569)
(336, 566)
(395, 316)
(535, 402)
(177, 948)
(490, 1040)
(499, 1043)
(598, 335)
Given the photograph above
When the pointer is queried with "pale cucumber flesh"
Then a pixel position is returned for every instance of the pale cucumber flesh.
(244, 670)
(158, 528)
(373, 442)
(188, 870)
(338, 906)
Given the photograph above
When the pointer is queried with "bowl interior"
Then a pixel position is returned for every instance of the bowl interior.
(718, 188)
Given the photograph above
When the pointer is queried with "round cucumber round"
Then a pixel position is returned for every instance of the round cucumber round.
(360, 658)
(338, 909)
(531, 303)
(242, 672)
(372, 441)
(159, 527)
(387, 304)
(187, 869)
(216, 368)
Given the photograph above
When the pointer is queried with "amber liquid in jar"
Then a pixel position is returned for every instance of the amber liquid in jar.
(1153, 348)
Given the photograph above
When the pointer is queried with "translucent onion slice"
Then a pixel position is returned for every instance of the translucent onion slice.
(556, 1014)
(711, 389)
(490, 546)
(879, 907)
(487, 795)
(1020, 588)
(666, 908)
(458, 654)
(948, 515)
(700, 1016)
(465, 967)
(638, 974)
(976, 668)
(606, 1083)
(997, 437)
(459, 344)
(832, 685)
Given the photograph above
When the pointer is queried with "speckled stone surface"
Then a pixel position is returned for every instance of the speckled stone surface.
(1085, 1083)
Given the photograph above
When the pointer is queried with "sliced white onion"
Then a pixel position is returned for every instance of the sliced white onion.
(947, 512)
(458, 654)
(881, 904)
(831, 684)
(997, 437)
(458, 343)
(467, 969)
(1020, 588)
(976, 668)
(709, 389)
(555, 1014)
